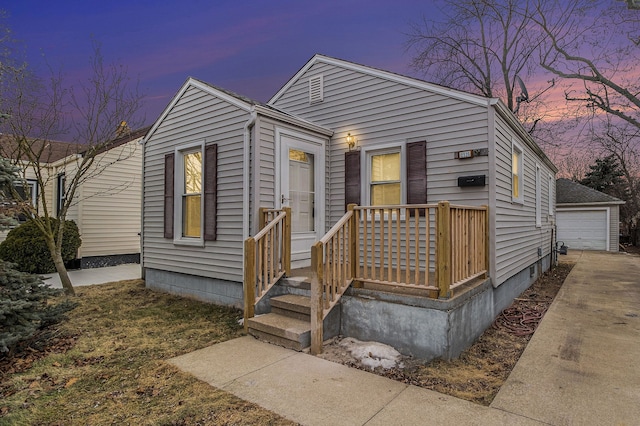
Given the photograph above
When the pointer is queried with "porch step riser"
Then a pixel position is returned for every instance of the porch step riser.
(291, 333)
(294, 303)
(280, 341)
(281, 330)
(291, 314)
(301, 284)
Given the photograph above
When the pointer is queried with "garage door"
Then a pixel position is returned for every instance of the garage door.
(583, 229)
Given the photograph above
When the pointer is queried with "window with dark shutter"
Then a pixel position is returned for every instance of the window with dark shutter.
(351, 178)
(168, 195)
(210, 192)
(417, 174)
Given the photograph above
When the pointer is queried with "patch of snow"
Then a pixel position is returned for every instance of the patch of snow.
(372, 354)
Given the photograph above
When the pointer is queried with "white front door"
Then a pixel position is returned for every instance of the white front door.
(301, 187)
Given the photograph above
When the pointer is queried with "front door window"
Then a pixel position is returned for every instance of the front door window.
(301, 190)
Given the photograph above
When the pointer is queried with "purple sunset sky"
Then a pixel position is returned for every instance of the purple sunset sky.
(251, 47)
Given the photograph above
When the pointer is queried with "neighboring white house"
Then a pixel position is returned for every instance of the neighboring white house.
(107, 205)
(587, 219)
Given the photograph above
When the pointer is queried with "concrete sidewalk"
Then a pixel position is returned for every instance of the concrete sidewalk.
(314, 391)
(129, 271)
(579, 368)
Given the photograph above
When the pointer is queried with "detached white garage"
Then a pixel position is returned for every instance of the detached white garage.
(586, 219)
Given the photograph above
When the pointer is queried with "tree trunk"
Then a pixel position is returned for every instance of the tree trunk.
(56, 255)
(64, 275)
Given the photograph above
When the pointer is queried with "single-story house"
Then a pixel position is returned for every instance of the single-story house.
(372, 157)
(587, 219)
(107, 207)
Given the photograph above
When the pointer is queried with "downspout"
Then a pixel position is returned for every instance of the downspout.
(142, 269)
(246, 151)
(246, 163)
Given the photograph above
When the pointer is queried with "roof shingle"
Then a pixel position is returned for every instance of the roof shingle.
(570, 192)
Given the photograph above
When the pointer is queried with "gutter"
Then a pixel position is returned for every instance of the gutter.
(515, 124)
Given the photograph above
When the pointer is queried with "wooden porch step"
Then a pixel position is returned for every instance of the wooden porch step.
(281, 330)
(293, 306)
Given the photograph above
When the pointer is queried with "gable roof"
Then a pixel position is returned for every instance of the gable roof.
(496, 103)
(409, 81)
(52, 151)
(247, 104)
(570, 192)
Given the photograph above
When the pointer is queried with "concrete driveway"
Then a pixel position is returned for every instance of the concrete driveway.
(582, 365)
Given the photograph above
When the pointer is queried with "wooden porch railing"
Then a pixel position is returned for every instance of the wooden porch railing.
(398, 246)
(267, 257)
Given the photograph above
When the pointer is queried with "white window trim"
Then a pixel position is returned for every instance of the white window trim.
(61, 183)
(538, 196)
(550, 180)
(178, 185)
(32, 184)
(517, 147)
(365, 164)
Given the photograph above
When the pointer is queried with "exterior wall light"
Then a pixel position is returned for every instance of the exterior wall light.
(351, 141)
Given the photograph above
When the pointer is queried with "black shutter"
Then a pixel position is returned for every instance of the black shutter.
(211, 192)
(351, 178)
(168, 195)
(417, 174)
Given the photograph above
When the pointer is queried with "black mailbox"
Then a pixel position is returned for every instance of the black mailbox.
(479, 180)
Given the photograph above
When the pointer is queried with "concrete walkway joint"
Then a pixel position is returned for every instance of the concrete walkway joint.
(580, 367)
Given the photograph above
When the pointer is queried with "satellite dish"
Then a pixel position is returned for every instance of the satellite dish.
(524, 95)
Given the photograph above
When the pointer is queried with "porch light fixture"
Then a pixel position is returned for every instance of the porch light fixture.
(351, 141)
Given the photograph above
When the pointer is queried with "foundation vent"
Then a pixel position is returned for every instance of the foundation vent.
(315, 89)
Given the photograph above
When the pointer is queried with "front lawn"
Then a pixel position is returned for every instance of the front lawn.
(107, 364)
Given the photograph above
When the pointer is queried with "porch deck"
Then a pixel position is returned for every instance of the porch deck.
(427, 250)
(304, 274)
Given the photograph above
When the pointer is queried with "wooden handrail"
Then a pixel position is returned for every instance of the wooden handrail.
(398, 246)
(267, 257)
(332, 260)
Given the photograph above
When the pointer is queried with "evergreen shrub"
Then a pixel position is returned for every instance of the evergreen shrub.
(25, 246)
(24, 307)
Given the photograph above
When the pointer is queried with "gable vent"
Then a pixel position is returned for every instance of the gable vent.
(315, 89)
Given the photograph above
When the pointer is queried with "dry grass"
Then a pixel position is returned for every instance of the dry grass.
(479, 372)
(116, 372)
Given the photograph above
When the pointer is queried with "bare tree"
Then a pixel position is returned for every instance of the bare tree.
(621, 140)
(40, 111)
(596, 45)
(480, 46)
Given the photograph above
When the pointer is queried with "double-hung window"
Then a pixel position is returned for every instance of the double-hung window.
(28, 193)
(61, 194)
(387, 174)
(191, 178)
(517, 173)
(550, 194)
(190, 194)
(385, 178)
(538, 197)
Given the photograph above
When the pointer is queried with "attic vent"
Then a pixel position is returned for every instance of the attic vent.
(315, 89)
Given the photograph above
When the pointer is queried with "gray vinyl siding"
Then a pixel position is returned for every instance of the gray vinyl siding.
(614, 228)
(517, 238)
(197, 116)
(379, 111)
